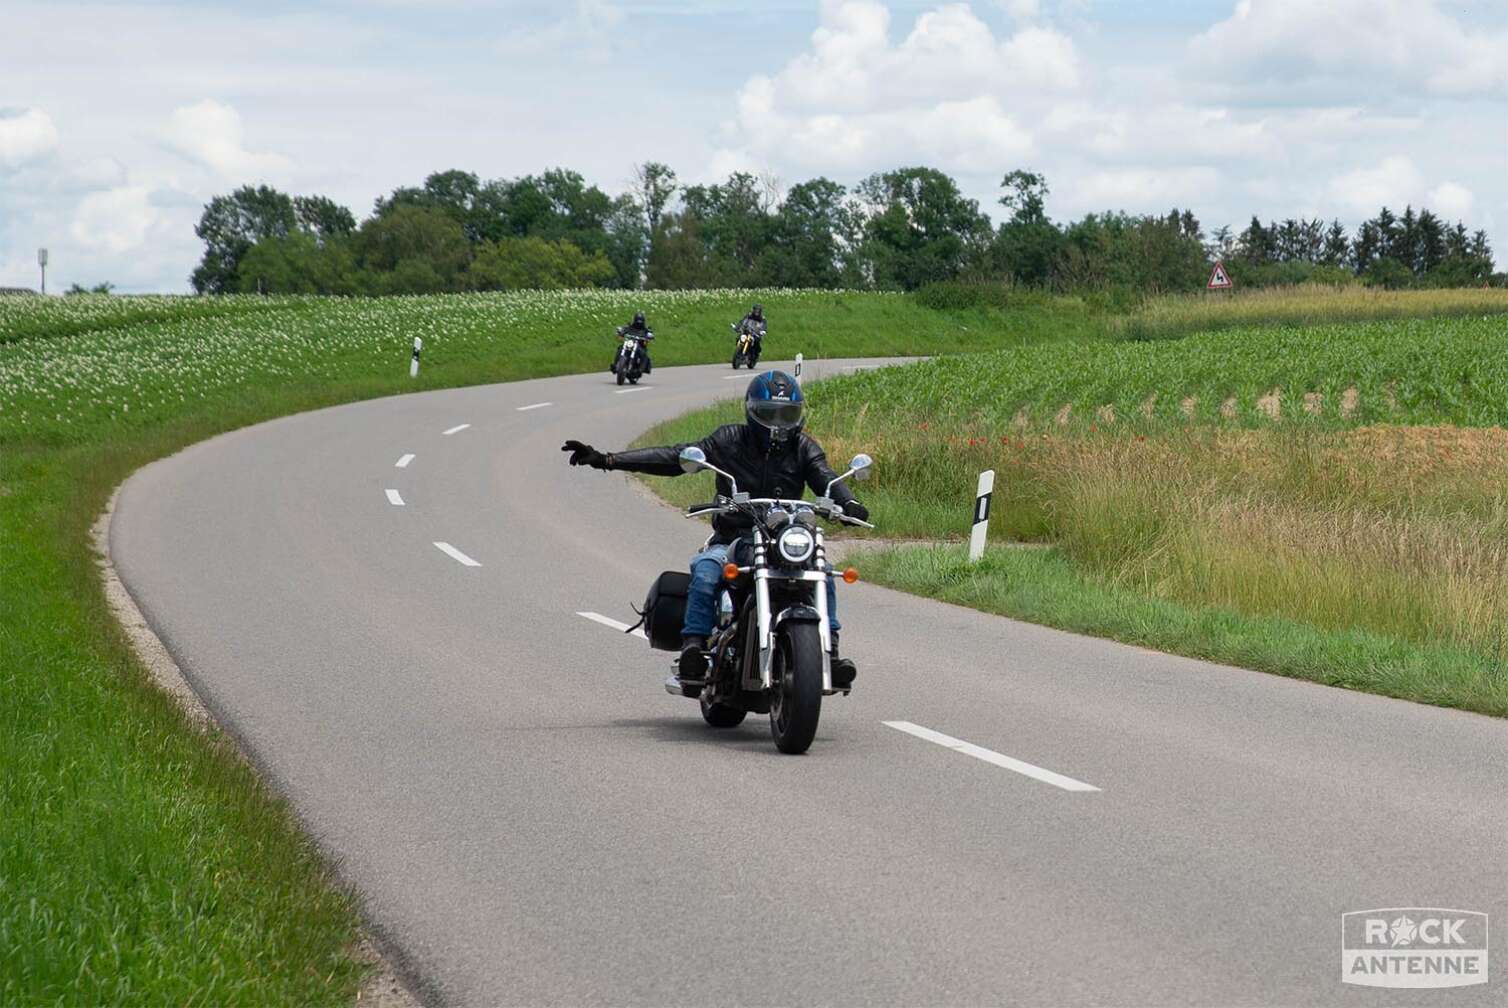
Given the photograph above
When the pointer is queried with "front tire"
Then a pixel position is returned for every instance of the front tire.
(721, 715)
(796, 690)
(620, 377)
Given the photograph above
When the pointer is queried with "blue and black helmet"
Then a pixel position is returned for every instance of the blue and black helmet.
(774, 403)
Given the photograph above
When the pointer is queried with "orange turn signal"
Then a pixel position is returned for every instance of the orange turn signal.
(730, 571)
(851, 575)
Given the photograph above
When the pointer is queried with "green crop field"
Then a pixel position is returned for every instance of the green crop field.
(1326, 501)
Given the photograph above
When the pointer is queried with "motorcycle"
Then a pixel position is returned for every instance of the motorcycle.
(631, 361)
(770, 652)
(747, 346)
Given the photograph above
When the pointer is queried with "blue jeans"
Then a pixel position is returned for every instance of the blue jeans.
(701, 598)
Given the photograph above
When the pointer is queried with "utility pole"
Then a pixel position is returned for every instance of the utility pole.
(42, 262)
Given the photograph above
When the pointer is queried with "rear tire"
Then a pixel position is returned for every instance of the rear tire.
(634, 380)
(796, 689)
(721, 715)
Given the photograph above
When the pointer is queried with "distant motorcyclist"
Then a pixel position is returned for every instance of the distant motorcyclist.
(771, 456)
(639, 329)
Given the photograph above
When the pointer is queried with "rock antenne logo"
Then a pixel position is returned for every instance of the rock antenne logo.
(1413, 947)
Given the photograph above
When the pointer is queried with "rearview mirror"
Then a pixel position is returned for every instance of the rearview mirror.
(692, 458)
(860, 466)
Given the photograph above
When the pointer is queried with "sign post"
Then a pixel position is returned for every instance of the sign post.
(1219, 278)
(42, 262)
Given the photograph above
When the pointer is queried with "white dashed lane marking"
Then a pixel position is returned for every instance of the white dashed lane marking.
(990, 756)
(538, 405)
(457, 555)
(403, 462)
(393, 498)
(455, 429)
(608, 621)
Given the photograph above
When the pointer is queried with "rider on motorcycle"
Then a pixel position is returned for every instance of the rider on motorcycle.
(754, 322)
(639, 329)
(770, 456)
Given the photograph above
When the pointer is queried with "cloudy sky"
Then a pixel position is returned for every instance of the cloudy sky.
(117, 121)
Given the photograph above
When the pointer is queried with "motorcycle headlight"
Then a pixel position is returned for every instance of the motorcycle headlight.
(796, 544)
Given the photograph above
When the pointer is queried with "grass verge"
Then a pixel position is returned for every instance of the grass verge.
(1043, 586)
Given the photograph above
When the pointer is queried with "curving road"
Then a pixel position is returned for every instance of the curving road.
(999, 814)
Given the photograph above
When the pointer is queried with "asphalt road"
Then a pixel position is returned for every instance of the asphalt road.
(531, 819)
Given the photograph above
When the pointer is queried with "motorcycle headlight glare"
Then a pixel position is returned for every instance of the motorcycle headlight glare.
(796, 544)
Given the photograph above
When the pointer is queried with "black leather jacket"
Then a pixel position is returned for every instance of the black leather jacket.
(737, 449)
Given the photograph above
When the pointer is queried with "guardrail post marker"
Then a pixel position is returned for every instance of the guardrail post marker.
(798, 367)
(981, 514)
(413, 365)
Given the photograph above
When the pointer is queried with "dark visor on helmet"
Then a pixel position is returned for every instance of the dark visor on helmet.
(776, 415)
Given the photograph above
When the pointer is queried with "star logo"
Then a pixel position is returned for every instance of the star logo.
(1402, 930)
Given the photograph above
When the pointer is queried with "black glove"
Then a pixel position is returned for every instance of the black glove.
(856, 510)
(584, 454)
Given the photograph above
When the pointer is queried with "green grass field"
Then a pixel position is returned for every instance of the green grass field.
(139, 862)
(142, 863)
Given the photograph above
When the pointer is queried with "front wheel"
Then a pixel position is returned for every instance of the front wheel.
(720, 715)
(620, 377)
(796, 687)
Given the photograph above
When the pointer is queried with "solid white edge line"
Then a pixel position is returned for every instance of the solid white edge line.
(455, 554)
(403, 462)
(608, 621)
(538, 405)
(990, 756)
(393, 498)
(455, 429)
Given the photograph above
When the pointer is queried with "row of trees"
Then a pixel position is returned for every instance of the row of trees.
(901, 229)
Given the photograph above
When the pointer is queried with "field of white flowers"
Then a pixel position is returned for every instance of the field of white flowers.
(71, 365)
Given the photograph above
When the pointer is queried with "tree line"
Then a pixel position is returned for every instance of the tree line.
(898, 230)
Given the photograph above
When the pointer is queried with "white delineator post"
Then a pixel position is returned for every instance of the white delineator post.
(413, 364)
(798, 367)
(981, 514)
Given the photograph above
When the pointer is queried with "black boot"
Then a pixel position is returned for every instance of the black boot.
(844, 670)
(693, 664)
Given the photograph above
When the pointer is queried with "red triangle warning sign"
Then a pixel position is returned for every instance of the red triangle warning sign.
(1219, 278)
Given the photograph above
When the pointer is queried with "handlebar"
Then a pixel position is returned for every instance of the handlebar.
(725, 505)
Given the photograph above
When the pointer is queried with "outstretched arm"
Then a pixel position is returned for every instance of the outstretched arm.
(661, 461)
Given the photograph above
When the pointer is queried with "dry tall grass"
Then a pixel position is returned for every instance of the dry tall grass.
(1402, 531)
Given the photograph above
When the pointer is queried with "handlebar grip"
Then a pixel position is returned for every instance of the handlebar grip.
(709, 506)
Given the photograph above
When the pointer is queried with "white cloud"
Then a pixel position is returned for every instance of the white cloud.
(114, 220)
(588, 30)
(1021, 10)
(1450, 200)
(25, 136)
(209, 133)
(949, 94)
(1142, 187)
(1352, 47)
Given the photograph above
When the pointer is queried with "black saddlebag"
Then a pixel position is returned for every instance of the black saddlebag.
(665, 610)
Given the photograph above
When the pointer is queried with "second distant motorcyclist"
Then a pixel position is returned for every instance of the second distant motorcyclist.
(754, 324)
(640, 329)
